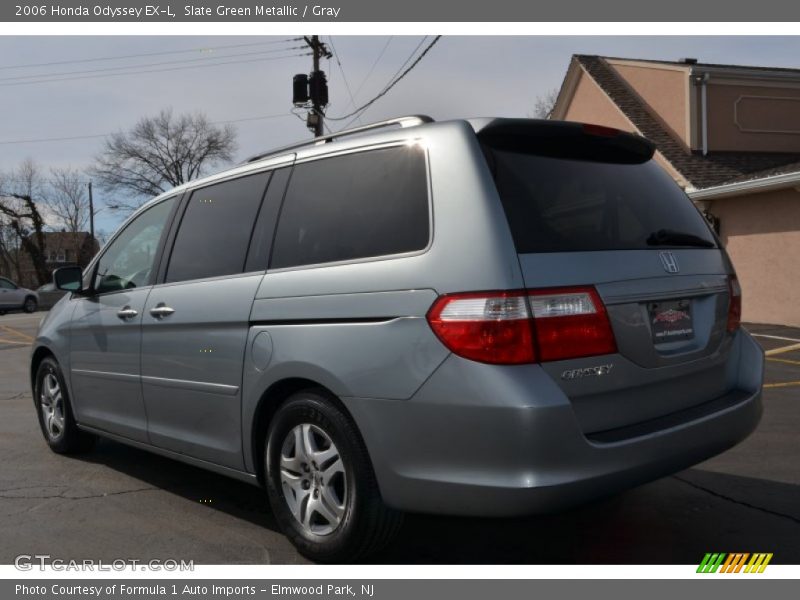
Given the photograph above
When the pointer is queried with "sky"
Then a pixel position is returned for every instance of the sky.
(244, 79)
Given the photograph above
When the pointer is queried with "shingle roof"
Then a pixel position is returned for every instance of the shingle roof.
(700, 171)
(682, 63)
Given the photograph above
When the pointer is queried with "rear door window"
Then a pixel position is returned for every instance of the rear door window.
(563, 204)
(214, 233)
(353, 206)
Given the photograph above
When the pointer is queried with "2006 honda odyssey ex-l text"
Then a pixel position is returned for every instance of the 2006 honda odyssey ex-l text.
(473, 317)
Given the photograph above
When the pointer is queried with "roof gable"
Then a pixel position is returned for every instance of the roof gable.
(700, 171)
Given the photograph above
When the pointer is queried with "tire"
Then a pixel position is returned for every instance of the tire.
(358, 523)
(30, 304)
(57, 423)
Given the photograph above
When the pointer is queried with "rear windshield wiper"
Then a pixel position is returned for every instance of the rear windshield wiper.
(670, 237)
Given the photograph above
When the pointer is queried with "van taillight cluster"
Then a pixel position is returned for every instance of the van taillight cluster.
(523, 326)
(734, 304)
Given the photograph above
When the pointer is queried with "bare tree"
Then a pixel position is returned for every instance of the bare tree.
(161, 152)
(9, 249)
(544, 105)
(69, 200)
(21, 194)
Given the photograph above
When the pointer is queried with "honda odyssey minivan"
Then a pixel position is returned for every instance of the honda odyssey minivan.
(486, 317)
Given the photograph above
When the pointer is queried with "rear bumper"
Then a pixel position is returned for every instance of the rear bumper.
(475, 440)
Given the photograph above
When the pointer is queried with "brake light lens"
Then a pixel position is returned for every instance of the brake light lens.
(492, 328)
(734, 304)
(571, 323)
(523, 326)
(600, 130)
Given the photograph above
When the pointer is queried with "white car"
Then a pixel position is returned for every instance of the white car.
(13, 297)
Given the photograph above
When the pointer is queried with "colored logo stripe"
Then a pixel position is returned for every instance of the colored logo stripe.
(734, 562)
(710, 563)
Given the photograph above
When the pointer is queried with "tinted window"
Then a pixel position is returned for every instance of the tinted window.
(562, 204)
(7, 285)
(128, 260)
(215, 230)
(267, 219)
(354, 206)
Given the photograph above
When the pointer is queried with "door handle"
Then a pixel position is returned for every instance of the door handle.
(161, 310)
(127, 313)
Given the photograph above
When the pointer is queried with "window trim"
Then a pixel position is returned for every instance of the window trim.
(367, 259)
(268, 257)
(91, 270)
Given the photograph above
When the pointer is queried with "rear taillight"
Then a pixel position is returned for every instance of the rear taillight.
(492, 327)
(570, 323)
(734, 304)
(523, 326)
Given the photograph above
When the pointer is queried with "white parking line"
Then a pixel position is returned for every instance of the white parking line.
(775, 337)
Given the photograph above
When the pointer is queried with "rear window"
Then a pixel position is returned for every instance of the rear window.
(562, 204)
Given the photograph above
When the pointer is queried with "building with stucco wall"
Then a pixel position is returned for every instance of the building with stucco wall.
(730, 136)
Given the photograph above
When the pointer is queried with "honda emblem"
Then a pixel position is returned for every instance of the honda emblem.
(669, 262)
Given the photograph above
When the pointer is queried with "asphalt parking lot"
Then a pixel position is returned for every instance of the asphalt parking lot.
(118, 502)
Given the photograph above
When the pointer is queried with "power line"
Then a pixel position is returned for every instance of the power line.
(100, 135)
(391, 84)
(341, 70)
(143, 54)
(146, 65)
(374, 64)
(410, 56)
(102, 76)
(385, 87)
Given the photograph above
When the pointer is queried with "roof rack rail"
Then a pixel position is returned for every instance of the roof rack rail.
(408, 121)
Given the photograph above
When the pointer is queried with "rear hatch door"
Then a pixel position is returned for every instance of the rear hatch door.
(589, 206)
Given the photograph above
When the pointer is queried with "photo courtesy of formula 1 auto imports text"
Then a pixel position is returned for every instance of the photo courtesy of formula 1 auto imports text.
(371, 301)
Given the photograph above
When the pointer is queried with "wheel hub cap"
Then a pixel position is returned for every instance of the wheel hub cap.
(313, 479)
(52, 403)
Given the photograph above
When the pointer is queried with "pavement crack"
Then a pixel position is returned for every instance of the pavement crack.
(721, 496)
(14, 397)
(64, 495)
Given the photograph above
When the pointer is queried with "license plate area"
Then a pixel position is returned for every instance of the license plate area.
(671, 321)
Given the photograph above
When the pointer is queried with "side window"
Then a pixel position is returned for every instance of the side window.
(128, 260)
(360, 205)
(267, 219)
(7, 285)
(214, 233)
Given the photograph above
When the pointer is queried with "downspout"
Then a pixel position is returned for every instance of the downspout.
(704, 112)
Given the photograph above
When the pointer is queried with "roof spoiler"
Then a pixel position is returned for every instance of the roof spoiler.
(565, 139)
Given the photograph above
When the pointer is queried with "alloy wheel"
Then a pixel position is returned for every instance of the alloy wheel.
(313, 479)
(52, 403)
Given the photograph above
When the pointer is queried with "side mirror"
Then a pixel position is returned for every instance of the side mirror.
(69, 279)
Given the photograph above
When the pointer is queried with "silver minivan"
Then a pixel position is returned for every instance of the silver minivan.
(487, 317)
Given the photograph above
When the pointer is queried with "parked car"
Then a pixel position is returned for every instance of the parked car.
(477, 317)
(14, 297)
(49, 294)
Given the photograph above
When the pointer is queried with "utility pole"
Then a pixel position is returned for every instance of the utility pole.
(311, 90)
(91, 213)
